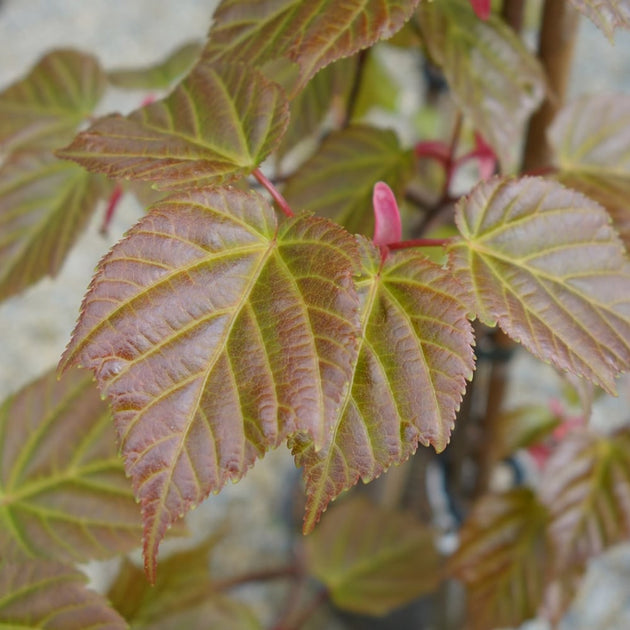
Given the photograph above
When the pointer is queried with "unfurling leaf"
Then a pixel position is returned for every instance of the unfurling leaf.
(494, 79)
(502, 558)
(41, 595)
(544, 262)
(160, 76)
(396, 399)
(311, 34)
(607, 15)
(216, 335)
(63, 491)
(338, 180)
(586, 486)
(387, 224)
(219, 124)
(590, 139)
(43, 109)
(44, 205)
(370, 559)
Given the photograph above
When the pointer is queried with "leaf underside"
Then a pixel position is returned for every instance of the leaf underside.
(311, 34)
(607, 15)
(494, 79)
(63, 491)
(370, 559)
(544, 262)
(586, 486)
(337, 181)
(216, 335)
(45, 595)
(395, 400)
(502, 558)
(44, 205)
(590, 139)
(217, 125)
(43, 109)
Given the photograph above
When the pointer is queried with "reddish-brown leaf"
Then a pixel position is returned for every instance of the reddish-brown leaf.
(216, 335)
(44, 108)
(311, 34)
(607, 15)
(503, 558)
(49, 596)
(586, 486)
(44, 205)
(219, 124)
(544, 262)
(396, 399)
(63, 491)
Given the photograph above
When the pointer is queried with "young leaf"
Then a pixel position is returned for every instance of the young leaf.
(219, 124)
(338, 180)
(387, 224)
(495, 80)
(544, 262)
(45, 595)
(589, 138)
(43, 109)
(607, 15)
(63, 491)
(44, 205)
(482, 8)
(216, 335)
(312, 34)
(160, 76)
(370, 559)
(586, 486)
(395, 400)
(502, 559)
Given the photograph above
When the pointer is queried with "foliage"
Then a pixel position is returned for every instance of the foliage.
(284, 288)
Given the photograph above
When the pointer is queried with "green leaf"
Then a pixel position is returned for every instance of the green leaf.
(159, 76)
(310, 107)
(590, 139)
(337, 181)
(311, 34)
(502, 558)
(544, 262)
(370, 559)
(395, 400)
(607, 15)
(44, 205)
(184, 595)
(63, 491)
(217, 125)
(586, 486)
(49, 596)
(43, 109)
(216, 335)
(494, 79)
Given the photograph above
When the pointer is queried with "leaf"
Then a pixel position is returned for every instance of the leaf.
(396, 399)
(607, 15)
(502, 558)
(44, 205)
(311, 34)
(49, 596)
(216, 335)
(337, 181)
(43, 109)
(370, 559)
(160, 76)
(544, 262)
(494, 79)
(586, 486)
(183, 596)
(217, 125)
(590, 139)
(63, 491)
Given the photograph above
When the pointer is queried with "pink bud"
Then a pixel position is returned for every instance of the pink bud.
(387, 225)
(481, 8)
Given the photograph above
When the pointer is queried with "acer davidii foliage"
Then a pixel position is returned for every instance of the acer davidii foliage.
(305, 277)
